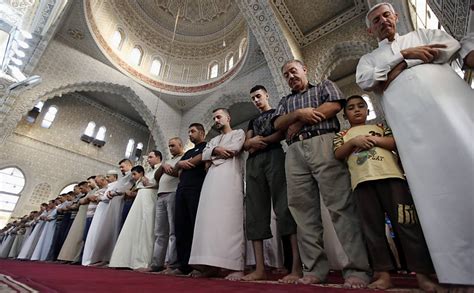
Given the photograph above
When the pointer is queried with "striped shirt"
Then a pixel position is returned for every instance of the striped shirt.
(315, 96)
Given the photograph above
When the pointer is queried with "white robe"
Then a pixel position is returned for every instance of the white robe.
(46, 239)
(429, 109)
(134, 247)
(30, 243)
(219, 230)
(92, 234)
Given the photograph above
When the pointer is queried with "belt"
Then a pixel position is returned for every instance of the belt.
(309, 134)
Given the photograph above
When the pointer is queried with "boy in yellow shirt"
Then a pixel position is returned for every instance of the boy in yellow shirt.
(380, 187)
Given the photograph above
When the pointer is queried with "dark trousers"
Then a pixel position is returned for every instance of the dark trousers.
(86, 228)
(52, 251)
(186, 205)
(127, 205)
(391, 196)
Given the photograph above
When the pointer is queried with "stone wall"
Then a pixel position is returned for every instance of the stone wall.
(53, 158)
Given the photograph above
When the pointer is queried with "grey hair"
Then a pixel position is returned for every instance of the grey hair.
(293, 61)
(390, 7)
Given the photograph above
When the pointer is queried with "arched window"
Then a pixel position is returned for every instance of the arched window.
(90, 129)
(69, 187)
(101, 133)
(136, 56)
(49, 117)
(129, 149)
(12, 182)
(242, 46)
(155, 67)
(229, 63)
(117, 39)
(370, 106)
(39, 106)
(213, 70)
(139, 146)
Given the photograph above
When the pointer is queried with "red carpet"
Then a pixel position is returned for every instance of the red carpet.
(53, 277)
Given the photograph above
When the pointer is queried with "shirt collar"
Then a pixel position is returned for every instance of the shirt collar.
(310, 85)
(386, 41)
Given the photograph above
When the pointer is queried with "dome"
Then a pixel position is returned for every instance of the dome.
(183, 47)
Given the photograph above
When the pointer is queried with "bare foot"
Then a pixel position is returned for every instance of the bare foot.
(292, 278)
(309, 279)
(235, 276)
(143, 270)
(354, 282)
(383, 281)
(255, 276)
(427, 285)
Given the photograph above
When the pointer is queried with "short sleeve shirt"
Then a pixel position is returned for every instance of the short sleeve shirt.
(262, 125)
(373, 164)
(315, 96)
(193, 178)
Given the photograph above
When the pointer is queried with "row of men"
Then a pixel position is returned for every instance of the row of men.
(200, 193)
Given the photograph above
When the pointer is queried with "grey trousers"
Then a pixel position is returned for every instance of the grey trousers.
(165, 239)
(313, 172)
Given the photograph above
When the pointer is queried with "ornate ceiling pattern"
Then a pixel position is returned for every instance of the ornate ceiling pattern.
(215, 32)
(317, 12)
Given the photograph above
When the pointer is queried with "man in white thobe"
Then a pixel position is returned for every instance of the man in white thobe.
(429, 109)
(218, 240)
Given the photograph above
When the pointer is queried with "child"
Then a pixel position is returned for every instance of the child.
(380, 187)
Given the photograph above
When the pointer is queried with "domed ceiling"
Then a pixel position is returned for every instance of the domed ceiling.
(186, 38)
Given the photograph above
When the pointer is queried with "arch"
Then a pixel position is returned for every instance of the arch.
(124, 91)
(90, 129)
(225, 102)
(156, 65)
(117, 39)
(340, 52)
(67, 188)
(242, 47)
(213, 70)
(136, 56)
(49, 116)
(101, 133)
(229, 61)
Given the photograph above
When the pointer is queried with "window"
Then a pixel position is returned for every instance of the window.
(101, 133)
(136, 56)
(242, 47)
(370, 106)
(425, 17)
(90, 129)
(33, 113)
(138, 151)
(68, 188)
(129, 149)
(139, 146)
(117, 39)
(12, 182)
(229, 62)
(155, 67)
(49, 117)
(213, 70)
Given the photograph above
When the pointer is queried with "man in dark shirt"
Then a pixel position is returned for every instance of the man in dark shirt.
(192, 173)
(266, 184)
(308, 115)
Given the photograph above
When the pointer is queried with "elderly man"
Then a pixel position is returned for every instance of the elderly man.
(308, 115)
(429, 109)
